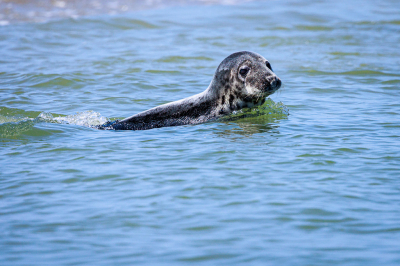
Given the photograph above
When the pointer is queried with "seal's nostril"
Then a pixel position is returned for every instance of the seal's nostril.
(275, 82)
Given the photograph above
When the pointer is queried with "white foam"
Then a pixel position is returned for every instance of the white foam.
(86, 118)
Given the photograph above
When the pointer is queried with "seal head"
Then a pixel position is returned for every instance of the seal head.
(243, 79)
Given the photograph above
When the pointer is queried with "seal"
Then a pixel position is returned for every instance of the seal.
(243, 79)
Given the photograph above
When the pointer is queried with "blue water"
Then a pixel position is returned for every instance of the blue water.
(313, 179)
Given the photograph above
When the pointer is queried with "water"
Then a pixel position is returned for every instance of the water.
(319, 186)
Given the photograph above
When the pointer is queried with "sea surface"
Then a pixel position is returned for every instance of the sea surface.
(310, 178)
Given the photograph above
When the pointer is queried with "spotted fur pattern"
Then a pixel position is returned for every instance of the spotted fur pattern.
(229, 91)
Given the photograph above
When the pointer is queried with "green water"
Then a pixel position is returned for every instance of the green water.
(310, 178)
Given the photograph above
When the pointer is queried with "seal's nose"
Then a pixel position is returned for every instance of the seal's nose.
(275, 82)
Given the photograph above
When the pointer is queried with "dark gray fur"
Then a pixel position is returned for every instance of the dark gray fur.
(228, 91)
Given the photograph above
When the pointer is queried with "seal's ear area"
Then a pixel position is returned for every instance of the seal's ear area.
(243, 71)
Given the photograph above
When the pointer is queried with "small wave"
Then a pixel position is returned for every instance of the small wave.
(12, 126)
(15, 128)
(350, 73)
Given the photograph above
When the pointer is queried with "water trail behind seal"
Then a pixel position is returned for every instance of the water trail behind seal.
(87, 118)
(13, 122)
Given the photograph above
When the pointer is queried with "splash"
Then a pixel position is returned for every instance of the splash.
(269, 110)
(87, 119)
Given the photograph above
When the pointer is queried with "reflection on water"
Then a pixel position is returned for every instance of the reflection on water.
(248, 127)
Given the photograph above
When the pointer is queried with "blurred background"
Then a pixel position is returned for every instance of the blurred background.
(43, 10)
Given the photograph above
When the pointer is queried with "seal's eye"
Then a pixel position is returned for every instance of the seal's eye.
(268, 65)
(244, 71)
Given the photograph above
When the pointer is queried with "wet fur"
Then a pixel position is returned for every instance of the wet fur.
(227, 92)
